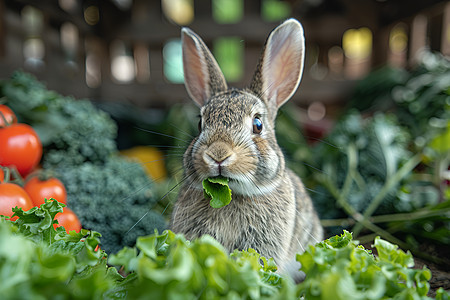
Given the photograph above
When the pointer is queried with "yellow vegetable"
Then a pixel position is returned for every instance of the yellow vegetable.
(151, 159)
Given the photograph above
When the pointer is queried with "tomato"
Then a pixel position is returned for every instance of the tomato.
(12, 195)
(20, 147)
(2, 175)
(68, 219)
(41, 189)
(8, 115)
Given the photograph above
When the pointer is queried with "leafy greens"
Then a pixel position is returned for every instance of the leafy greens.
(216, 189)
(39, 262)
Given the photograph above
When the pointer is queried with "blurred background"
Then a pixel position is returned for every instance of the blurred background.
(368, 129)
(128, 51)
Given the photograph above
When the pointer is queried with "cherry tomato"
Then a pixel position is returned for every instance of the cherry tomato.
(20, 147)
(12, 195)
(8, 114)
(68, 219)
(39, 190)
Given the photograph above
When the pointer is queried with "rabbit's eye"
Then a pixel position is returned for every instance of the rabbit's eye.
(257, 125)
(200, 125)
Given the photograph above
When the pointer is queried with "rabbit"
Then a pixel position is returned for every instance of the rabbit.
(270, 210)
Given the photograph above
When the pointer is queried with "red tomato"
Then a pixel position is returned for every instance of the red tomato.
(69, 220)
(20, 147)
(8, 114)
(50, 188)
(2, 175)
(12, 195)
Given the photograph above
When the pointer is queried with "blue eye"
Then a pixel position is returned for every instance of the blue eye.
(257, 125)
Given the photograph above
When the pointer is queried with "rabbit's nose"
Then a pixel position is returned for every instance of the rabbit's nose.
(219, 161)
(218, 153)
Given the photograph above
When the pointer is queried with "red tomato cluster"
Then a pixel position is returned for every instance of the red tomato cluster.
(20, 145)
(20, 148)
(39, 190)
(49, 188)
(12, 195)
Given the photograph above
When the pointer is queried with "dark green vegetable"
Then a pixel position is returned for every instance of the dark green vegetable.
(419, 98)
(366, 154)
(111, 198)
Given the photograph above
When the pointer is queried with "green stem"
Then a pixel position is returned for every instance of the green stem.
(360, 219)
(442, 170)
(394, 180)
(6, 174)
(417, 215)
(18, 179)
(2, 116)
(352, 155)
(420, 214)
(344, 222)
(383, 233)
(340, 198)
(416, 252)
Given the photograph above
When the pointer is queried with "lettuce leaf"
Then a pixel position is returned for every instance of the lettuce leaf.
(167, 266)
(339, 268)
(216, 190)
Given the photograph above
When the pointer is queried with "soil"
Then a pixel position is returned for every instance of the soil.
(440, 272)
(439, 277)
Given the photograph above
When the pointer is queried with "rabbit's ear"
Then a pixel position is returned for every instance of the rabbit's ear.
(202, 75)
(281, 65)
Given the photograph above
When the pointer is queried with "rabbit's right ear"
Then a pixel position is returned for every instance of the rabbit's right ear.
(202, 75)
(281, 65)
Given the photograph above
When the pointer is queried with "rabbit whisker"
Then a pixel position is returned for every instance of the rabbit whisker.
(171, 190)
(314, 191)
(323, 141)
(300, 244)
(306, 230)
(182, 131)
(156, 160)
(162, 134)
(166, 146)
(312, 167)
(162, 198)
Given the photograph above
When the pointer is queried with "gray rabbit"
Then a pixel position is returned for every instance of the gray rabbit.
(270, 210)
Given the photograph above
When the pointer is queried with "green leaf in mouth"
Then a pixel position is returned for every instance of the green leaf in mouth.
(216, 190)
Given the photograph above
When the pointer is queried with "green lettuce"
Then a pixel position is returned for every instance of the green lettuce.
(339, 268)
(216, 190)
(39, 262)
(167, 266)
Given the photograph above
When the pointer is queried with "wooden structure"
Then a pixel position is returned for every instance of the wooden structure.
(76, 46)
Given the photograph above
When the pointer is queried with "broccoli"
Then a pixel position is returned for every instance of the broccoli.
(110, 198)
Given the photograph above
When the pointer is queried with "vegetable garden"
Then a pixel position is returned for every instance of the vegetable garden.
(380, 178)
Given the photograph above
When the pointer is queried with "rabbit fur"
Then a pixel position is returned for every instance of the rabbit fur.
(270, 210)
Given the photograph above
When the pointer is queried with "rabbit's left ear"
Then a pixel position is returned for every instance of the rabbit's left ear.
(281, 65)
(202, 75)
